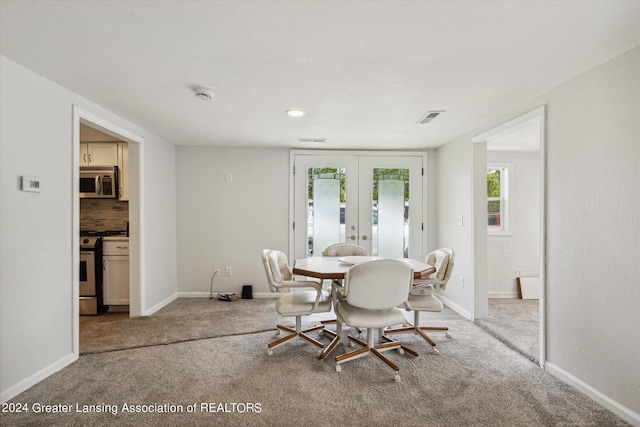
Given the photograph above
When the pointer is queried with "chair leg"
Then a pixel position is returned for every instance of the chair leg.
(416, 328)
(334, 341)
(297, 332)
(370, 348)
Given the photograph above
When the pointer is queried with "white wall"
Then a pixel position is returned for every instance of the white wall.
(592, 228)
(160, 241)
(520, 248)
(36, 229)
(454, 195)
(228, 223)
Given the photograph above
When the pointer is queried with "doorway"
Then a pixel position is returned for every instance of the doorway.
(136, 283)
(514, 196)
(371, 199)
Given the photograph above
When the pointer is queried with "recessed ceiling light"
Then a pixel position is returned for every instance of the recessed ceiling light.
(204, 93)
(295, 113)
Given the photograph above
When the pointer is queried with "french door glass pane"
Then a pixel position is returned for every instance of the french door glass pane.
(390, 213)
(326, 208)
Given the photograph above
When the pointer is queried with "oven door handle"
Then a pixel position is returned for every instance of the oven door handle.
(98, 185)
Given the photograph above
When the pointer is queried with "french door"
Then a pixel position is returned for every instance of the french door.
(374, 201)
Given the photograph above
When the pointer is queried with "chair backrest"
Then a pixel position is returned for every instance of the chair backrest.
(379, 284)
(442, 259)
(344, 249)
(276, 266)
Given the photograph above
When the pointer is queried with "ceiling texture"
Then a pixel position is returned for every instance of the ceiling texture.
(364, 72)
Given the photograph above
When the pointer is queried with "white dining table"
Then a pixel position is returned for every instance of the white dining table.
(335, 267)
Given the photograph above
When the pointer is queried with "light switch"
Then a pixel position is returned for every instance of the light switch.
(229, 177)
(459, 220)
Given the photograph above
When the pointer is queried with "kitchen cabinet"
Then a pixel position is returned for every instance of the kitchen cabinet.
(115, 274)
(98, 154)
(123, 169)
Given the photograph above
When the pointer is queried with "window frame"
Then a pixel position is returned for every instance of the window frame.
(506, 173)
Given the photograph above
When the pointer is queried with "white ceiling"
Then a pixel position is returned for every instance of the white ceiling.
(364, 71)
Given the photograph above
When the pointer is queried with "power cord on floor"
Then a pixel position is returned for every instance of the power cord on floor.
(222, 296)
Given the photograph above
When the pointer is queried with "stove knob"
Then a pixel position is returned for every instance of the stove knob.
(85, 241)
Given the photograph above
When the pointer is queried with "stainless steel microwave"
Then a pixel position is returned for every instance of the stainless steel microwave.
(98, 182)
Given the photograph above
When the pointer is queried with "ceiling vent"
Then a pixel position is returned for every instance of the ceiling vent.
(312, 139)
(429, 116)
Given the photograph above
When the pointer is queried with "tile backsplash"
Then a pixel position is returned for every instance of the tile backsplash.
(103, 214)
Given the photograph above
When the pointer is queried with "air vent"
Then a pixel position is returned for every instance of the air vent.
(312, 139)
(429, 116)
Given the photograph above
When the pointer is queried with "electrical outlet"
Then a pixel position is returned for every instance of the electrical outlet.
(216, 271)
(519, 272)
(227, 271)
(461, 282)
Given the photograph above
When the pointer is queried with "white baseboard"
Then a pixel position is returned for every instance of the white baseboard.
(269, 295)
(503, 295)
(622, 411)
(161, 304)
(34, 379)
(206, 295)
(455, 307)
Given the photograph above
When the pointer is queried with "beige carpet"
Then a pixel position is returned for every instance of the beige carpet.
(475, 381)
(515, 322)
(185, 319)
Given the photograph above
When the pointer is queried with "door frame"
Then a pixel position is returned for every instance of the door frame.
(136, 214)
(479, 233)
(371, 153)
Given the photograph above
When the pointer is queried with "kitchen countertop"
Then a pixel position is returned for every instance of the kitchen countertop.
(115, 239)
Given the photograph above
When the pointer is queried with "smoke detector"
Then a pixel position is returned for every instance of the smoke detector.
(204, 93)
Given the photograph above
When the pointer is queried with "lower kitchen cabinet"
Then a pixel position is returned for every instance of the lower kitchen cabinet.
(115, 264)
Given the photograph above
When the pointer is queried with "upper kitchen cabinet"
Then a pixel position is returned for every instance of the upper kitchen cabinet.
(98, 154)
(123, 169)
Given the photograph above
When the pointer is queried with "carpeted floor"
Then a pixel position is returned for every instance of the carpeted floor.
(515, 322)
(185, 319)
(230, 380)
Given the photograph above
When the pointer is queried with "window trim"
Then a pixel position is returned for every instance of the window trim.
(506, 176)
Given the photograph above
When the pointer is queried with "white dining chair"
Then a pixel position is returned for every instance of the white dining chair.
(293, 304)
(443, 260)
(371, 294)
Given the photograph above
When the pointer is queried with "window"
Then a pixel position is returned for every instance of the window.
(497, 198)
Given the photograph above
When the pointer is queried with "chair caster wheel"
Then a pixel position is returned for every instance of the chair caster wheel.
(396, 378)
(435, 350)
(338, 368)
(401, 350)
(447, 334)
(350, 344)
(321, 333)
(319, 354)
(269, 352)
